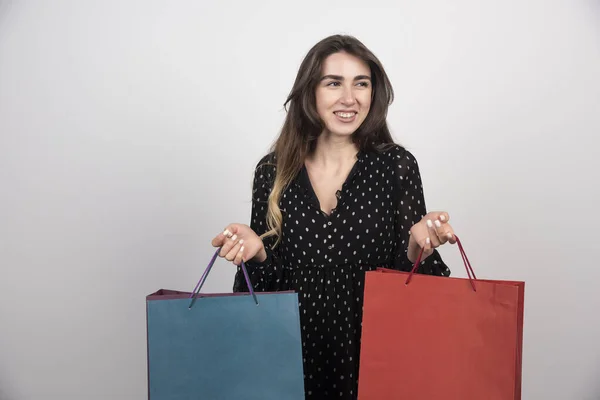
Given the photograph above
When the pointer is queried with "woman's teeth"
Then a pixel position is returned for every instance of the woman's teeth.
(345, 115)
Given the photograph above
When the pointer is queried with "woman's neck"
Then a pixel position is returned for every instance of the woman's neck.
(333, 151)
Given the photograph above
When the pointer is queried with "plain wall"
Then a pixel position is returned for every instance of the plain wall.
(129, 131)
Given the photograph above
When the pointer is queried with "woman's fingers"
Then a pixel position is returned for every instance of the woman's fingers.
(432, 231)
(427, 247)
(239, 257)
(444, 231)
(218, 240)
(235, 249)
(238, 242)
(229, 241)
(444, 217)
(440, 232)
(221, 238)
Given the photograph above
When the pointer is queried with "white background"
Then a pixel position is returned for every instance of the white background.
(129, 131)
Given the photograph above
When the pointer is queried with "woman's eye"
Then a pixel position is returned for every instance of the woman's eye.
(360, 84)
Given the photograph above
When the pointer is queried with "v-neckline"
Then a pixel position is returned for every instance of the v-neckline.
(312, 195)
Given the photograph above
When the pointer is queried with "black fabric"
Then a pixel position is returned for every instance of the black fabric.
(324, 257)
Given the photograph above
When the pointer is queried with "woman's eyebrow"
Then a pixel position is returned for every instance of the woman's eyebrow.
(341, 78)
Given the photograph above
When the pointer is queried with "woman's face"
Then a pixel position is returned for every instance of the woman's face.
(343, 94)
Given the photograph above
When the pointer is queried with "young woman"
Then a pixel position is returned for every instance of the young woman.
(336, 197)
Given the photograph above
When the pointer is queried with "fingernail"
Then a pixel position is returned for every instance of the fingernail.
(442, 217)
(429, 224)
(226, 232)
(234, 237)
(450, 236)
(242, 249)
(438, 223)
(241, 241)
(427, 241)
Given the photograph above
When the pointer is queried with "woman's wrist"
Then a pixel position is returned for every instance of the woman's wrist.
(413, 250)
(261, 256)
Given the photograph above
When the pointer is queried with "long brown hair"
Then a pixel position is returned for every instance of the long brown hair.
(302, 125)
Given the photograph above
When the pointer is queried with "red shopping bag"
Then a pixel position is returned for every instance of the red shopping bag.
(428, 337)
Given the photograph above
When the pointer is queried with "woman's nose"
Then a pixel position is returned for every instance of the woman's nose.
(348, 97)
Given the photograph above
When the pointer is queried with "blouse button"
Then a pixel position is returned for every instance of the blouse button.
(329, 223)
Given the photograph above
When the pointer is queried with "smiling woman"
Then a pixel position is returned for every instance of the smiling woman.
(343, 101)
(335, 198)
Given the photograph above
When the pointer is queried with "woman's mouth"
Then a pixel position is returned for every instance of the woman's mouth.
(345, 116)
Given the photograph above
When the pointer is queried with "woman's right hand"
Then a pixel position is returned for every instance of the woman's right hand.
(239, 242)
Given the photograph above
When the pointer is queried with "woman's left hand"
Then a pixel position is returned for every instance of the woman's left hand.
(429, 233)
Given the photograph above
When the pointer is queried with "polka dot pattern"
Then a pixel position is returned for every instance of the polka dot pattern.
(324, 257)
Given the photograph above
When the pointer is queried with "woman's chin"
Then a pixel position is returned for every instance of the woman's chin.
(341, 131)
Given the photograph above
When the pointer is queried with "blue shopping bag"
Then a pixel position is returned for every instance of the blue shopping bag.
(224, 346)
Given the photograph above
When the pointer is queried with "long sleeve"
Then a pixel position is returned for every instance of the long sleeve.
(263, 275)
(410, 209)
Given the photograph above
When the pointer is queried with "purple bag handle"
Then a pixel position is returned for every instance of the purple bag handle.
(200, 283)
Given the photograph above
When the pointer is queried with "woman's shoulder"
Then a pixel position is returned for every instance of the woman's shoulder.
(266, 168)
(268, 160)
(397, 154)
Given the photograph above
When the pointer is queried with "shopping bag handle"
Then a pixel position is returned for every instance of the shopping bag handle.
(465, 261)
(200, 283)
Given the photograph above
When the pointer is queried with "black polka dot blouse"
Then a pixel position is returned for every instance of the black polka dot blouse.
(324, 258)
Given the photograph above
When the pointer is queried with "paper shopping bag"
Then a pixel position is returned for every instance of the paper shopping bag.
(224, 346)
(427, 337)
